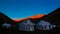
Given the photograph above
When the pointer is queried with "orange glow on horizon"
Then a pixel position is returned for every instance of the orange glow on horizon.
(18, 20)
(36, 16)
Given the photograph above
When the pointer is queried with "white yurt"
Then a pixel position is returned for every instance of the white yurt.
(26, 25)
(44, 25)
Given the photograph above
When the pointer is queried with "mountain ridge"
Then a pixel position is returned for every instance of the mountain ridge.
(36, 18)
(30, 17)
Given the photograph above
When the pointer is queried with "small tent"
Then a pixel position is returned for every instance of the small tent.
(6, 25)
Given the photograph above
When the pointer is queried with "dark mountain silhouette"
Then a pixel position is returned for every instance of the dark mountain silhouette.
(34, 20)
(6, 19)
(53, 17)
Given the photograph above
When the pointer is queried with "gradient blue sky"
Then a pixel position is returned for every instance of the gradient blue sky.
(24, 8)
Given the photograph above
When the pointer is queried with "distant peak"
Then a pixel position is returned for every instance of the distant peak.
(37, 16)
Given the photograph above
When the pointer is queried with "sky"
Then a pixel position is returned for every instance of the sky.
(16, 9)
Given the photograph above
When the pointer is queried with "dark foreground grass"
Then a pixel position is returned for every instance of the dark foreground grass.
(4, 30)
(31, 32)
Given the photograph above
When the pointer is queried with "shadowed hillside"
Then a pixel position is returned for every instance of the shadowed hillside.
(53, 17)
(6, 19)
